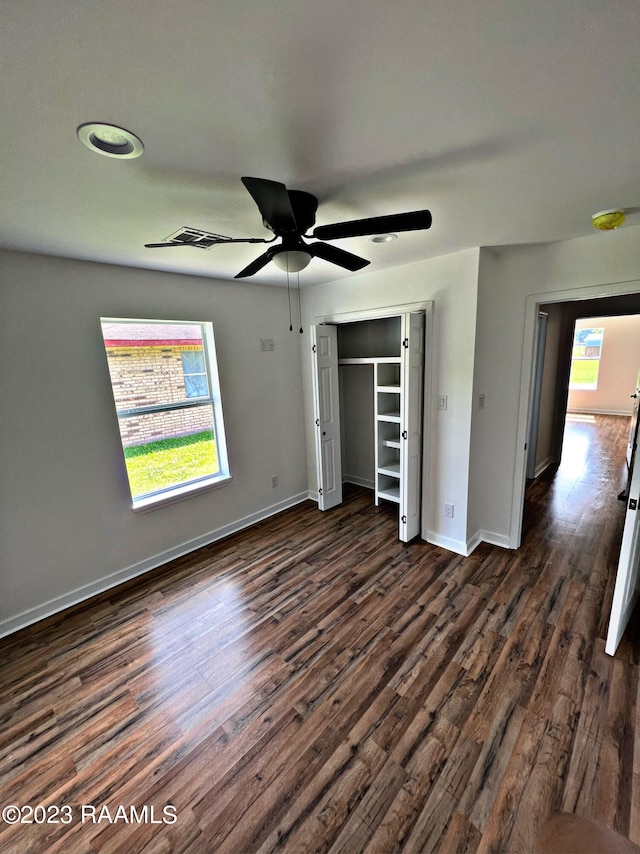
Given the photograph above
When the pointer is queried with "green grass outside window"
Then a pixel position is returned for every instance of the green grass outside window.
(167, 462)
(584, 372)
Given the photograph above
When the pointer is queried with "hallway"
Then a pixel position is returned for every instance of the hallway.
(575, 499)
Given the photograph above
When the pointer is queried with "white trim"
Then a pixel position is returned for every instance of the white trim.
(374, 313)
(466, 548)
(359, 481)
(178, 493)
(87, 591)
(591, 411)
(493, 539)
(457, 546)
(543, 466)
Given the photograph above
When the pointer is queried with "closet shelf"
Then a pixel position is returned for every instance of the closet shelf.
(391, 469)
(389, 389)
(389, 416)
(392, 494)
(391, 443)
(372, 360)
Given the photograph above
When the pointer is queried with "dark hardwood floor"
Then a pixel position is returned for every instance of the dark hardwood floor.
(312, 685)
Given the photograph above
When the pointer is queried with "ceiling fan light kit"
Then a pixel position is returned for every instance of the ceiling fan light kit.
(292, 261)
(110, 140)
(608, 220)
(289, 214)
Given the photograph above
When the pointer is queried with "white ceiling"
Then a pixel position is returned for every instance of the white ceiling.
(511, 120)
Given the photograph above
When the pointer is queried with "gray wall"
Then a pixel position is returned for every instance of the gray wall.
(67, 529)
(512, 283)
(451, 282)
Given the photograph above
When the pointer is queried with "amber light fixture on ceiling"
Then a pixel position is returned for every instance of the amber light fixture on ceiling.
(608, 220)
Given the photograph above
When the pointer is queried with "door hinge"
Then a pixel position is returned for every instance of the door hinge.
(404, 520)
(317, 422)
(633, 504)
(405, 435)
(405, 343)
(314, 349)
(320, 491)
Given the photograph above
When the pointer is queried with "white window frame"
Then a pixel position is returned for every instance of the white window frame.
(168, 495)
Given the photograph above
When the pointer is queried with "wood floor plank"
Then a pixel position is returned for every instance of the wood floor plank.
(313, 684)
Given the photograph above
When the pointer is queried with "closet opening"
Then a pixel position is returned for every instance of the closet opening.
(369, 378)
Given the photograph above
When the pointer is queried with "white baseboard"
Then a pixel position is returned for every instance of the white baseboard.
(627, 413)
(543, 466)
(457, 546)
(465, 548)
(494, 539)
(358, 481)
(81, 594)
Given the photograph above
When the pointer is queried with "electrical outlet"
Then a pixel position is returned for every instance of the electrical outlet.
(448, 511)
(274, 482)
(442, 401)
(267, 345)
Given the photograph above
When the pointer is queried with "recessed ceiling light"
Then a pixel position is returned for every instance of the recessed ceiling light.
(110, 140)
(383, 238)
(608, 220)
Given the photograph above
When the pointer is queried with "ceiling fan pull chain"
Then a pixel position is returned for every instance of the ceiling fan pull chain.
(299, 304)
(289, 298)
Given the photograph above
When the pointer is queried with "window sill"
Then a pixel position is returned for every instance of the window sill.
(179, 493)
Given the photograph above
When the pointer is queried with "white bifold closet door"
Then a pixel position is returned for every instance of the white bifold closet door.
(412, 406)
(326, 405)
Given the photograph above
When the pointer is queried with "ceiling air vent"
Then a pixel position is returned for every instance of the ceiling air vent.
(195, 237)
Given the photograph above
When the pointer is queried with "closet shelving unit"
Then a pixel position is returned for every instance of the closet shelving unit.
(387, 379)
(374, 434)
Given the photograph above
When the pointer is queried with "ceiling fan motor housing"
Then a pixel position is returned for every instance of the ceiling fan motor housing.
(304, 207)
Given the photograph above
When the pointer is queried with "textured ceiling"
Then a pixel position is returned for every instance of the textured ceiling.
(512, 121)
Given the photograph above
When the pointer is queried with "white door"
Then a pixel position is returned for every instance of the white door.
(537, 393)
(627, 587)
(326, 414)
(633, 429)
(411, 440)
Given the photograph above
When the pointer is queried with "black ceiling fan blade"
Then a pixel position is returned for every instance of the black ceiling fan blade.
(272, 199)
(413, 221)
(337, 256)
(255, 266)
(158, 245)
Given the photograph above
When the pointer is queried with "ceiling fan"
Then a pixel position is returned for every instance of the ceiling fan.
(289, 214)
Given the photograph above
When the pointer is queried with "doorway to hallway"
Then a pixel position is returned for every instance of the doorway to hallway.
(575, 499)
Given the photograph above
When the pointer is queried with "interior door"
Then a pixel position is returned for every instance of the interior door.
(541, 340)
(633, 429)
(411, 441)
(627, 587)
(326, 413)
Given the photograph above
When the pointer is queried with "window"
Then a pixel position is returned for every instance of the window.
(585, 358)
(195, 374)
(166, 390)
